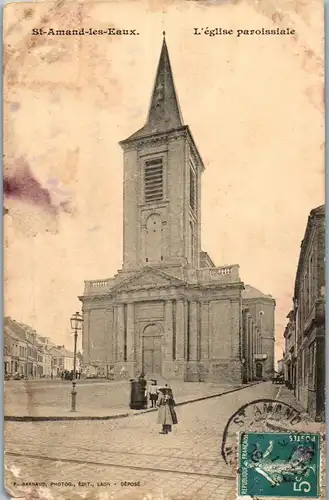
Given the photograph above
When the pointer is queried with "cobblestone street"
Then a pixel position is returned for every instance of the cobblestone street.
(183, 465)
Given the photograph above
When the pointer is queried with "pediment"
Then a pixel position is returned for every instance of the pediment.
(149, 278)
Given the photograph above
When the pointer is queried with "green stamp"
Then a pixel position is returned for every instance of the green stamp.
(279, 464)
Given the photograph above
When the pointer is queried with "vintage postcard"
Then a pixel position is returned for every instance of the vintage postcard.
(164, 225)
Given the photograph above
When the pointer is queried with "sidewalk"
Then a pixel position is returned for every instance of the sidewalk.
(185, 392)
(307, 424)
(57, 380)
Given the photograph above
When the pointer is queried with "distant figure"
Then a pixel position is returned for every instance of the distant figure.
(153, 393)
(123, 372)
(142, 383)
(172, 404)
(143, 390)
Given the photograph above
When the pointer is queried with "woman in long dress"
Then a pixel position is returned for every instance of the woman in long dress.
(166, 413)
(172, 404)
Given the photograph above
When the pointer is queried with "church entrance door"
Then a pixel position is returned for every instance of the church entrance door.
(152, 354)
(259, 371)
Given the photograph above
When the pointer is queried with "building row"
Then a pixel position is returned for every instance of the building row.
(304, 336)
(30, 355)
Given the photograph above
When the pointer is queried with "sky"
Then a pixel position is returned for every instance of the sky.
(254, 105)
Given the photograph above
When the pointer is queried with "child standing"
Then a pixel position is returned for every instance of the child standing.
(153, 393)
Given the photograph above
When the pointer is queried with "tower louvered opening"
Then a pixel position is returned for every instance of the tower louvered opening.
(153, 180)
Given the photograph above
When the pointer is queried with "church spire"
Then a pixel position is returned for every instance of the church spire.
(164, 111)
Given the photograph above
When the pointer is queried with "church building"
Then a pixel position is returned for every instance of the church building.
(169, 311)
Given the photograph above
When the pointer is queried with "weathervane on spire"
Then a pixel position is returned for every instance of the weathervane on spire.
(164, 34)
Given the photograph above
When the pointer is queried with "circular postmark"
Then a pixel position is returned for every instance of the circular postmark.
(260, 415)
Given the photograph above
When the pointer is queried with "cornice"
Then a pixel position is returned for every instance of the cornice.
(265, 300)
(194, 151)
(95, 298)
(153, 139)
(151, 286)
(219, 286)
(165, 137)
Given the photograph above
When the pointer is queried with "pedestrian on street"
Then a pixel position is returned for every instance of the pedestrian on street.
(123, 372)
(111, 373)
(165, 414)
(153, 393)
(143, 388)
(172, 404)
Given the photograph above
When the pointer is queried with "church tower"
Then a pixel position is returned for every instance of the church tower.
(169, 312)
(162, 177)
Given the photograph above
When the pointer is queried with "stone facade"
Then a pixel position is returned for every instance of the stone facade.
(290, 351)
(309, 317)
(184, 325)
(169, 311)
(260, 309)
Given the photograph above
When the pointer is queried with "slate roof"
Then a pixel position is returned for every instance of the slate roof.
(251, 292)
(164, 111)
(62, 352)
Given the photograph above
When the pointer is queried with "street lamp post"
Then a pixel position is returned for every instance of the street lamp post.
(261, 314)
(76, 324)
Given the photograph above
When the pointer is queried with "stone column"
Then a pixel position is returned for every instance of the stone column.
(168, 334)
(86, 337)
(205, 347)
(109, 337)
(192, 366)
(235, 331)
(120, 332)
(193, 348)
(131, 339)
(253, 335)
(130, 332)
(250, 356)
(244, 347)
(180, 330)
(257, 342)
(115, 337)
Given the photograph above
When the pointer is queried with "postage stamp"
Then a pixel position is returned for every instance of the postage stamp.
(279, 464)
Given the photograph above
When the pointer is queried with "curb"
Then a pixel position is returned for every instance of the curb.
(30, 418)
